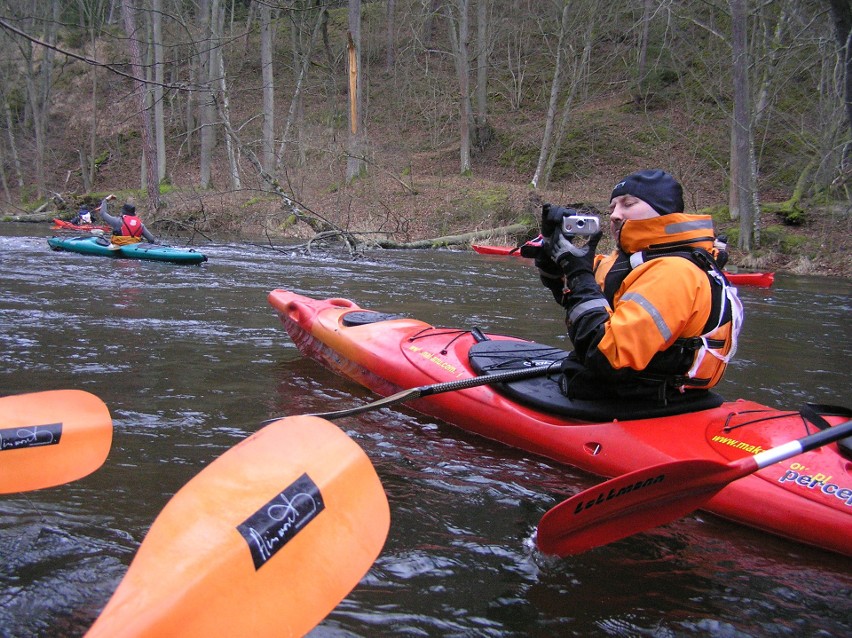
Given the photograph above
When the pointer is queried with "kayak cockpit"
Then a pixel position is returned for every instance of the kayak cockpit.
(543, 393)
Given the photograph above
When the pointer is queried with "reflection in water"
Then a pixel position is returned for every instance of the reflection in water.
(191, 359)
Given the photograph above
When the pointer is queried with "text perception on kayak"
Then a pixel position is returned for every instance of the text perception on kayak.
(814, 482)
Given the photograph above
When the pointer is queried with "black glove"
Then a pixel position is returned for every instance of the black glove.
(551, 218)
(550, 275)
(573, 260)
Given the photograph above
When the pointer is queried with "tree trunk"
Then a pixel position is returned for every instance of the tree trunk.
(13, 146)
(580, 71)
(7, 194)
(148, 146)
(159, 119)
(90, 23)
(189, 107)
(484, 132)
(355, 165)
(223, 102)
(301, 51)
(841, 11)
(390, 36)
(463, 239)
(268, 80)
(38, 83)
(641, 73)
(552, 105)
(459, 40)
(303, 63)
(431, 9)
(743, 192)
(207, 107)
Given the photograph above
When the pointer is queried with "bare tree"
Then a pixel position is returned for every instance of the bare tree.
(207, 102)
(148, 146)
(390, 36)
(642, 63)
(430, 8)
(301, 62)
(355, 164)
(484, 132)
(38, 77)
(222, 96)
(743, 193)
(841, 11)
(554, 132)
(457, 22)
(513, 79)
(156, 14)
(268, 82)
(8, 70)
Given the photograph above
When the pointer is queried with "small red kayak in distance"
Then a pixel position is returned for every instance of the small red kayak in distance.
(60, 224)
(757, 279)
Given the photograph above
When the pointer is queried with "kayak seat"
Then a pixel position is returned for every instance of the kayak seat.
(542, 393)
(364, 317)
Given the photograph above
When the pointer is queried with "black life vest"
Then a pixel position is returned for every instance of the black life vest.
(679, 366)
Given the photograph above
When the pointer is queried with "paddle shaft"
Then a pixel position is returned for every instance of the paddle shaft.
(805, 444)
(654, 496)
(438, 388)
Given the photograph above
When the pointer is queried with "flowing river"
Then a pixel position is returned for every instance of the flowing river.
(191, 359)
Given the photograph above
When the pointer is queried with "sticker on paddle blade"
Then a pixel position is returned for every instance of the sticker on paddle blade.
(31, 436)
(276, 523)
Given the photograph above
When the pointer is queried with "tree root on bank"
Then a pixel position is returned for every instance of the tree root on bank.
(465, 239)
(358, 242)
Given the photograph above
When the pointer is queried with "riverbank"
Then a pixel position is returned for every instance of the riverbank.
(443, 206)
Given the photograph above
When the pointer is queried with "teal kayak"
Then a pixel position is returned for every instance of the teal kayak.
(89, 245)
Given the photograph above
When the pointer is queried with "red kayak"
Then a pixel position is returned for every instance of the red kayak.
(496, 250)
(59, 224)
(807, 498)
(758, 279)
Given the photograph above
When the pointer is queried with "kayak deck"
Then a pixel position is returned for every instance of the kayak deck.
(394, 353)
(90, 245)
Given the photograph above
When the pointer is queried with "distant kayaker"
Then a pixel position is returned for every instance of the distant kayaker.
(656, 318)
(127, 228)
(83, 216)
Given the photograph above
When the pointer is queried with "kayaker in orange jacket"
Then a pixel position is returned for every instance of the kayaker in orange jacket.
(126, 228)
(656, 318)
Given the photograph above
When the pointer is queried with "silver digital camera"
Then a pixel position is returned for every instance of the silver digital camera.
(582, 225)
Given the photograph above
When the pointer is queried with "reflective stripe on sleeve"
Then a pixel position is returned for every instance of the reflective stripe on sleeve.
(580, 309)
(648, 307)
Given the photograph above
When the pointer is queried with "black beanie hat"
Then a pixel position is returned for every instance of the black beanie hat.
(656, 187)
(128, 209)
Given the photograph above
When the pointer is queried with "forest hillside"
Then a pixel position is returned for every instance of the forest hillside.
(639, 85)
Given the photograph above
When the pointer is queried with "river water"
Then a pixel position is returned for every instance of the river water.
(191, 359)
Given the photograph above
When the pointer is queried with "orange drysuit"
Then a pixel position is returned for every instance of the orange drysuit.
(658, 315)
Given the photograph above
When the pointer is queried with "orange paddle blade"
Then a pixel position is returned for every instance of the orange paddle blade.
(264, 541)
(50, 438)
